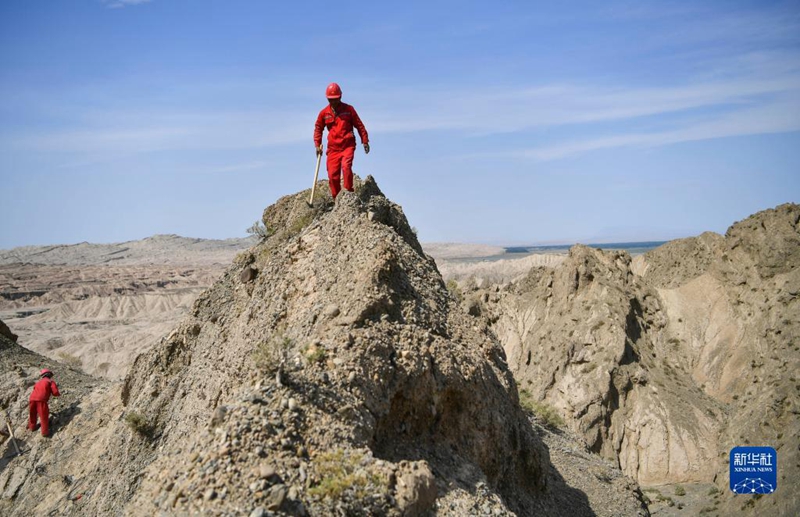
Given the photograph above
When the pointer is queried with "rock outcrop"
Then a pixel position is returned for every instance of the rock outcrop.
(353, 319)
(588, 338)
(665, 362)
(6, 332)
(328, 371)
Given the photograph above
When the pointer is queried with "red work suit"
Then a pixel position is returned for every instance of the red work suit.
(341, 143)
(37, 404)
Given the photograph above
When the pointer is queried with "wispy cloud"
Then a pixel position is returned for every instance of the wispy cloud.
(118, 4)
(510, 111)
(752, 93)
(747, 91)
(778, 117)
(108, 133)
(744, 105)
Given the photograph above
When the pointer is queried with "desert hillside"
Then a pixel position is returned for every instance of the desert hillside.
(654, 366)
(97, 306)
(665, 362)
(328, 370)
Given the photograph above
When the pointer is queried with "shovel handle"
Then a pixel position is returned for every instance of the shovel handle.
(316, 174)
(11, 438)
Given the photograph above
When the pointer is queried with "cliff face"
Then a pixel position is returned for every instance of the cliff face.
(590, 339)
(328, 371)
(665, 362)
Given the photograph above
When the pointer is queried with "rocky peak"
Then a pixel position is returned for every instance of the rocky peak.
(327, 372)
(767, 241)
(338, 331)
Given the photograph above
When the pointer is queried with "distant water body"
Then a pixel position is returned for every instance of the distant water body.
(634, 248)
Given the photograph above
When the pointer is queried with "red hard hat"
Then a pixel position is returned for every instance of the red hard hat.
(333, 91)
(44, 372)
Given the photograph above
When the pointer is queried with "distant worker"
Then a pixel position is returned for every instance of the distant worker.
(37, 405)
(339, 118)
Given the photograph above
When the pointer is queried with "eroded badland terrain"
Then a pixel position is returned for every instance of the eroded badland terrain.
(330, 369)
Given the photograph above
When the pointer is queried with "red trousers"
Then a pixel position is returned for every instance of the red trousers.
(340, 167)
(39, 408)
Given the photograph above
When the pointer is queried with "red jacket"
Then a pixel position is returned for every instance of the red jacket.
(340, 127)
(43, 389)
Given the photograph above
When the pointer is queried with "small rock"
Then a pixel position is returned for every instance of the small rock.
(416, 488)
(210, 494)
(248, 274)
(292, 404)
(276, 497)
(331, 311)
(351, 377)
(259, 512)
(266, 471)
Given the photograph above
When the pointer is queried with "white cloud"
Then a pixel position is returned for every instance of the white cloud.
(565, 105)
(777, 117)
(118, 4)
(755, 93)
(142, 132)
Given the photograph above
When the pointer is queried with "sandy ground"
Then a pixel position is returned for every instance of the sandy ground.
(500, 271)
(97, 306)
(455, 250)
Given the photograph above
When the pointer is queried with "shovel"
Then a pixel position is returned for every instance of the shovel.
(11, 432)
(314, 186)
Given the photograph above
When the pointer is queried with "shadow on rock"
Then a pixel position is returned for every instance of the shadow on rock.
(61, 418)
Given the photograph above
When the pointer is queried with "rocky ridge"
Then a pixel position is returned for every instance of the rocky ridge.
(665, 362)
(328, 371)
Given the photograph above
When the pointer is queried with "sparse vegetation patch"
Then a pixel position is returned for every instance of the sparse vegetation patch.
(259, 229)
(455, 291)
(340, 471)
(544, 412)
(270, 355)
(139, 424)
(300, 223)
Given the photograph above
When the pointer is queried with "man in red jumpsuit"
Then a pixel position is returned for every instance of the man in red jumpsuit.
(37, 405)
(340, 119)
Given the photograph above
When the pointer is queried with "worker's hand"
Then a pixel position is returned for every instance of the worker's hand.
(319, 150)
(366, 148)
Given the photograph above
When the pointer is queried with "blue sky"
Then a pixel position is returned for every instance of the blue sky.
(503, 122)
